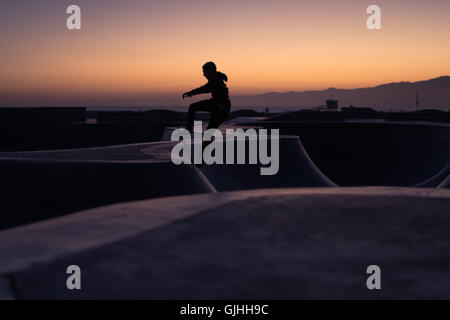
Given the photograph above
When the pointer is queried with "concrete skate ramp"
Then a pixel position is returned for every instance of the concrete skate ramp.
(437, 180)
(372, 152)
(167, 133)
(35, 187)
(445, 184)
(305, 243)
(295, 170)
(41, 136)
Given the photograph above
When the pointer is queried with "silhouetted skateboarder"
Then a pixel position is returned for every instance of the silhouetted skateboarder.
(218, 106)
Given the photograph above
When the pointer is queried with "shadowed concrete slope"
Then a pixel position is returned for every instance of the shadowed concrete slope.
(295, 170)
(261, 244)
(445, 184)
(295, 167)
(40, 185)
(64, 181)
(365, 152)
(437, 180)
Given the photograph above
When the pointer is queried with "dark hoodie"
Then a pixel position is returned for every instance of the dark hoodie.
(217, 87)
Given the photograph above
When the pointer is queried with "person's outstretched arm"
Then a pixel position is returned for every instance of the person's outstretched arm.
(203, 89)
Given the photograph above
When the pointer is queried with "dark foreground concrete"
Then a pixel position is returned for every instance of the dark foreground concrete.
(266, 244)
(59, 182)
(46, 184)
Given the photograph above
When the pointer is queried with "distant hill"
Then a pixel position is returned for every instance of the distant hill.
(433, 93)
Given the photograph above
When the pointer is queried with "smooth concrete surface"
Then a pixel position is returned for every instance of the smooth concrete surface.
(294, 169)
(371, 153)
(445, 184)
(125, 152)
(436, 181)
(6, 291)
(258, 244)
(41, 189)
(64, 181)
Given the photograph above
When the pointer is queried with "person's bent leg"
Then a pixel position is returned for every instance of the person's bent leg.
(215, 121)
(204, 105)
(218, 116)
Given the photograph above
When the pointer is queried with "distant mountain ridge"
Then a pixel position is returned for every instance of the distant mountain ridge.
(433, 93)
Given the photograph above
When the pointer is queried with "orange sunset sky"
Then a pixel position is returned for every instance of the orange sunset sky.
(149, 52)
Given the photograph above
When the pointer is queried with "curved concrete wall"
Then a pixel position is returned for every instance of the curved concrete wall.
(259, 244)
(445, 184)
(39, 189)
(295, 170)
(435, 180)
(373, 153)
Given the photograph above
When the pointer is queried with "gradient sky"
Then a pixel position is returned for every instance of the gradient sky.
(138, 52)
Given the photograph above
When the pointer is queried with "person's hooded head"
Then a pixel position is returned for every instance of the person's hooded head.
(210, 71)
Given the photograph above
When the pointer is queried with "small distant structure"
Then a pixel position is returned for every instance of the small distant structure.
(332, 104)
